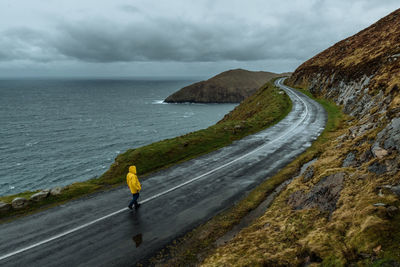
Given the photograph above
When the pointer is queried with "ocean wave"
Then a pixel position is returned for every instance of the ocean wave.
(81, 138)
(32, 143)
(188, 114)
(159, 102)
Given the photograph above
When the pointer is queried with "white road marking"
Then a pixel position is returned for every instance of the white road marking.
(169, 190)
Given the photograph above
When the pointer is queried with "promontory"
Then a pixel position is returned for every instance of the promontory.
(231, 86)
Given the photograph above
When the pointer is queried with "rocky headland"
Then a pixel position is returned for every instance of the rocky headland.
(231, 86)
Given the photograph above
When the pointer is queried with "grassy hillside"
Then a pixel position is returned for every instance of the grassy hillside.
(344, 210)
(373, 52)
(263, 109)
(227, 87)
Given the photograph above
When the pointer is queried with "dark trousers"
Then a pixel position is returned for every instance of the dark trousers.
(134, 200)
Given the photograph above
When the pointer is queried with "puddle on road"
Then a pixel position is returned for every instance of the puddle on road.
(138, 239)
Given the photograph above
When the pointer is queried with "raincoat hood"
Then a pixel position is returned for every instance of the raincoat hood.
(133, 181)
(132, 169)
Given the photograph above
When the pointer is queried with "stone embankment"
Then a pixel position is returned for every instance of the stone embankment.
(19, 203)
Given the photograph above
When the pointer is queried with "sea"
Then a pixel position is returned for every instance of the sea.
(55, 132)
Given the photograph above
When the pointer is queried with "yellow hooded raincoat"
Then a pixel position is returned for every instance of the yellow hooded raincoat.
(133, 181)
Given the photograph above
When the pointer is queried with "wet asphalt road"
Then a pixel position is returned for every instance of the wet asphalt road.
(100, 231)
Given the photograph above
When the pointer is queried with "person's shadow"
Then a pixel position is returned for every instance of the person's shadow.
(138, 239)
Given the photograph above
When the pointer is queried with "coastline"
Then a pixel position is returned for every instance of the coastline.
(183, 148)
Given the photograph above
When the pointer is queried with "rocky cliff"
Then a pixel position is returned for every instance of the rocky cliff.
(344, 210)
(360, 72)
(227, 87)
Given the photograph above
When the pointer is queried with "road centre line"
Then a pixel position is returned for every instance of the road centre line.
(279, 82)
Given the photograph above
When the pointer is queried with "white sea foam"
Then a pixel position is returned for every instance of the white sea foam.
(159, 102)
(31, 143)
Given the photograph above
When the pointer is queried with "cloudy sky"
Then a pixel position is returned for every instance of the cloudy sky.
(174, 37)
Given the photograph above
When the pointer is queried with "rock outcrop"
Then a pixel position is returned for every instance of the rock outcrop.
(323, 195)
(362, 75)
(56, 191)
(4, 207)
(19, 203)
(40, 195)
(227, 87)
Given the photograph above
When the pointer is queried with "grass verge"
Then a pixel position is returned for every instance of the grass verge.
(263, 109)
(192, 248)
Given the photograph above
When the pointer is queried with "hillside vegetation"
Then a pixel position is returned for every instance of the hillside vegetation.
(231, 86)
(344, 209)
(265, 108)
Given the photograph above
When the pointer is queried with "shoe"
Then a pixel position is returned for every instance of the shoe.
(130, 207)
(137, 206)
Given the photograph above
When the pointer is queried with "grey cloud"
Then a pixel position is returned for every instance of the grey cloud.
(130, 9)
(145, 38)
(160, 41)
(175, 40)
(26, 44)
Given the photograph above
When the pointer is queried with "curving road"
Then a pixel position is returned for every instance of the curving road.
(99, 230)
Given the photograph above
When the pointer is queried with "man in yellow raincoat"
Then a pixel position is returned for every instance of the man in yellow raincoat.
(134, 186)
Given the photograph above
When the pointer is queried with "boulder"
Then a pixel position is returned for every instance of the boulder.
(40, 196)
(350, 160)
(366, 156)
(19, 203)
(56, 191)
(4, 206)
(395, 190)
(393, 140)
(379, 152)
(324, 195)
(380, 204)
(392, 165)
(296, 199)
(357, 131)
(389, 189)
(377, 168)
(308, 174)
(390, 136)
(392, 211)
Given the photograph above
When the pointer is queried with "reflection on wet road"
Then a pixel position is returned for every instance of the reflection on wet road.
(100, 231)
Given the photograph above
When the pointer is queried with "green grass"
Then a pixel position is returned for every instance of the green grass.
(335, 115)
(259, 111)
(191, 249)
(263, 109)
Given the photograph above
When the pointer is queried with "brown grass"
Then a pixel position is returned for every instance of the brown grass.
(357, 232)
